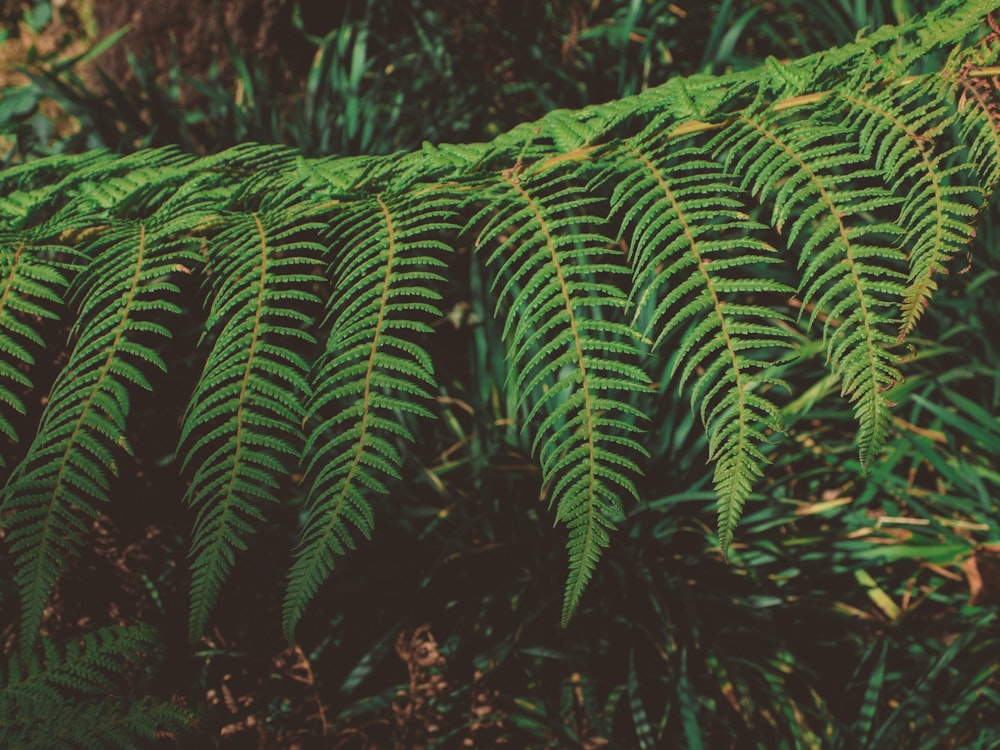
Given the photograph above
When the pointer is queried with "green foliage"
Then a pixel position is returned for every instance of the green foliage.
(561, 309)
(369, 371)
(79, 697)
(243, 458)
(850, 267)
(693, 248)
(837, 185)
(122, 306)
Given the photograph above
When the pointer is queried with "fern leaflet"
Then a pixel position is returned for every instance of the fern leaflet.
(243, 426)
(33, 281)
(850, 265)
(370, 371)
(694, 252)
(569, 353)
(71, 461)
(896, 126)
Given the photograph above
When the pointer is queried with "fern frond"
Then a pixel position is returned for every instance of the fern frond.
(837, 148)
(243, 427)
(34, 277)
(826, 198)
(121, 723)
(896, 125)
(569, 352)
(978, 108)
(696, 260)
(372, 370)
(94, 668)
(52, 492)
(73, 697)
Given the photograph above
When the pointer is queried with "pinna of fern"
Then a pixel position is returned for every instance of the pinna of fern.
(122, 303)
(821, 191)
(37, 263)
(384, 262)
(695, 256)
(897, 126)
(571, 356)
(258, 273)
(34, 281)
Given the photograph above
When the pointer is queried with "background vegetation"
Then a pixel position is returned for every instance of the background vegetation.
(855, 612)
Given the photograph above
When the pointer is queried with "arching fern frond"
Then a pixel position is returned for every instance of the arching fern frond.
(69, 467)
(385, 265)
(243, 427)
(897, 125)
(34, 276)
(826, 199)
(571, 357)
(697, 259)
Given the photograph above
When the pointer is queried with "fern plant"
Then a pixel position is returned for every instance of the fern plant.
(74, 696)
(692, 236)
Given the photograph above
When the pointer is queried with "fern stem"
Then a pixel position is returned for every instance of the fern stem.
(802, 100)
(305, 578)
(693, 127)
(564, 289)
(248, 370)
(205, 583)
